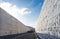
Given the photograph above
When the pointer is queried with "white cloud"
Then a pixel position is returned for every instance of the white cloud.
(13, 9)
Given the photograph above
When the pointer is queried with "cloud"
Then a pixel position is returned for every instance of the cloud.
(13, 9)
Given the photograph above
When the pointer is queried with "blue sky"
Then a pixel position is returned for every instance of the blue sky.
(27, 11)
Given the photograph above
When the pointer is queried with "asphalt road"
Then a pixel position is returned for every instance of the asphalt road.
(27, 35)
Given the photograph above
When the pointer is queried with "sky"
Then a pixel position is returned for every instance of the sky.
(26, 11)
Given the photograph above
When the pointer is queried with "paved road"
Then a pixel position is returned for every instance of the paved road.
(26, 35)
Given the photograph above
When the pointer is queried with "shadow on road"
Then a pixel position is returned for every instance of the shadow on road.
(47, 36)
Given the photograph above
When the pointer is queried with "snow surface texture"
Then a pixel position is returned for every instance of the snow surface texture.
(48, 24)
(10, 25)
